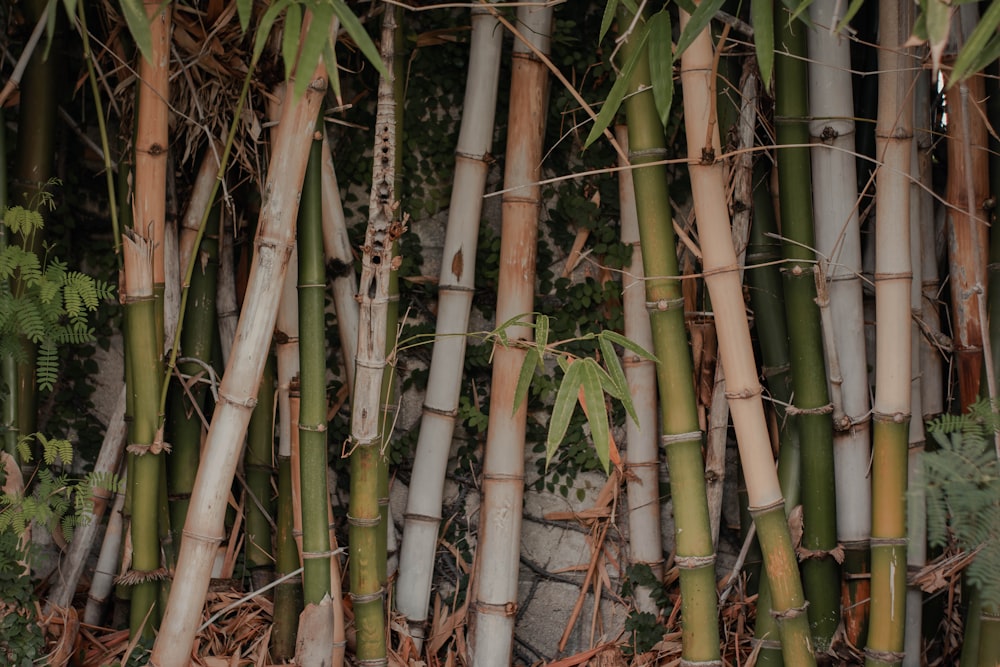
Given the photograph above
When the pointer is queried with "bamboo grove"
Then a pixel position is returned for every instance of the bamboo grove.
(663, 232)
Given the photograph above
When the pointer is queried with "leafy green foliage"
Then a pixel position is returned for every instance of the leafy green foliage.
(646, 628)
(21, 640)
(963, 492)
(49, 304)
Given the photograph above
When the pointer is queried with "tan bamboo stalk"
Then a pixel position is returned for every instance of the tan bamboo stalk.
(198, 202)
(894, 136)
(968, 231)
(105, 571)
(838, 244)
(642, 438)
(275, 238)
(494, 596)
(337, 246)
(736, 349)
(225, 298)
(107, 463)
(422, 518)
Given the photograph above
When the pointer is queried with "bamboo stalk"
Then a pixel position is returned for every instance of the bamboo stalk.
(204, 529)
(722, 280)
(894, 133)
(422, 519)
(494, 596)
(682, 438)
(642, 456)
(258, 465)
(107, 559)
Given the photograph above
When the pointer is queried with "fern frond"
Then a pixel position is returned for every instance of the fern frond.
(23, 221)
(30, 321)
(24, 447)
(47, 365)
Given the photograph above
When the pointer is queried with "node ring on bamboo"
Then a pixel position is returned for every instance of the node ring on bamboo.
(245, 402)
(746, 392)
(670, 438)
(655, 152)
(421, 518)
(329, 553)
(508, 609)
(766, 644)
(818, 410)
(877, 542)
(363, 522)
(694, 562)
(700, 663)
(891, 418)
(664, 305)
(764, 509)
(363, 598)
(198, 537)
(890, 657)
(502, 477)
(441, 411)
(313, 428)
(372, 662)
(790, 613)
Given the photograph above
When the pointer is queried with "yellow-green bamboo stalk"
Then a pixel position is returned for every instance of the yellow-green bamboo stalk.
(275, 234)
(736, 351)
(894, 134)
(494, 596)
(258, 465)
(455, 289)
(365, 518)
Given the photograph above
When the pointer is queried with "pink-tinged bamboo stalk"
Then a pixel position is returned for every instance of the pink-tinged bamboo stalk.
(456, 285)
(204, 529)
(494, 599)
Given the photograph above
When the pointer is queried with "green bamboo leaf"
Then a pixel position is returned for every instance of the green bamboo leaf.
(312, 48)
(609, 386)
(797, 9)
(628, 344)
(937, 23)
(541, 331)
(531, 361)
(762, 18)
(977, 50)
(852, 9)
(501, 331)
(290, 38)
(607, 19)
(562, 409)
(617, 94)
(360, 36)
(138, 26)
(699, 20)
(332, 71)
(266, 23)
(661, 70)
(617, 376)
(244, 8)
(597, 411)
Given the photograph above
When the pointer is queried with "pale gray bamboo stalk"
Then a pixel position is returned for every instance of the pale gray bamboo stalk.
(642, 438)
(225, 294)
(422, 519)
(204, 529)
(337, 247)
(106, 569)
(494, 598)
(198, 202)
(921, 207)
(838, 241)
(108, 460)
(718, 427)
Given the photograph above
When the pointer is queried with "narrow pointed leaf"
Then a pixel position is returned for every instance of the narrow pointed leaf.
(699, 19)
(618, 90)
(531, 361)
(981, 47)
(138, 26)
(333, 72)
(762, 18)
(937, 22)
(562, 409)
(852, 9)
(628, 344)
(315, 43)
(661, 70)
(244, 8)
(607, 19)
(617, 376)
(290, 39)
(597, 411)
(608, 385)
(360, 36)
(541, 332)
(264, 29)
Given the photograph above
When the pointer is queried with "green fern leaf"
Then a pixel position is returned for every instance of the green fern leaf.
(47, 365)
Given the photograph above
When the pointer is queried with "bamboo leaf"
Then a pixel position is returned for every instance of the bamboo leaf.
(981, 47)
(661, 70)
(360, 36)
(852, 9)
(244, 8)
(628, 344)
(312, 48)
(290, 38)
(597, 411)
(607, 19)
(264, 29)
(617, 94)
(138, 26)
(796, 9)
(541, 332)
(617, 376)
(333, 72)
(562, 409)
(762, 18)
(531, 361)
(937, 22)
(700, 18)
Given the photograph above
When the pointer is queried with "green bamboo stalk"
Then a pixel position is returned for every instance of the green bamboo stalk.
(821, 577)
(767, 301)
(187, 401)
(894, 132)
(312, 369)
(287, 595)
(678, 408)
(8, 369)
(258, 464)
(367, 532)
(145, 437)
